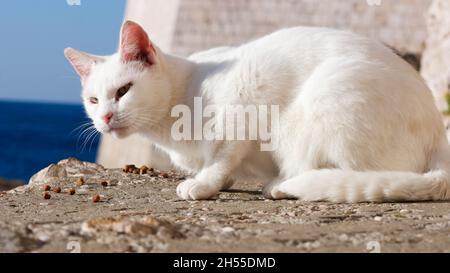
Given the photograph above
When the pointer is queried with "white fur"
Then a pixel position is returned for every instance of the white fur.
(356, 122)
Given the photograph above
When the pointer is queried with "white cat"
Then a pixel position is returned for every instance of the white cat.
(357, 123)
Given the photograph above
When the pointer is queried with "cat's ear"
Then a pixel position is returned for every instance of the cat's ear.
(135, 44)
(81, 62)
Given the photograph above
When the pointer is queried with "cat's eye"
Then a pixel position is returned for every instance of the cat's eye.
(93, 100)
(123, 90)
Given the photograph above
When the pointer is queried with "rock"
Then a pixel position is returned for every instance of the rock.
(70, 167)
(141, 213)
(436, 57)
(76, 167)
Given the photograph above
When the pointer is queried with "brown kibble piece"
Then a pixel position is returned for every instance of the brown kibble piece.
(104, 184)
(80, 181)
(96, 198)
(47, 188)
(57, 190)
(129, 168)
(47, 195)
(165, 175)
(143, 170)
(72, 191)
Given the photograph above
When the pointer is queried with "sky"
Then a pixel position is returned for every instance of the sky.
(33, 35)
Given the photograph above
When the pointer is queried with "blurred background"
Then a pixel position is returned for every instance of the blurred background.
(40, 105)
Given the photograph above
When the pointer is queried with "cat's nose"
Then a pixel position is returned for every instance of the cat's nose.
(107, 117)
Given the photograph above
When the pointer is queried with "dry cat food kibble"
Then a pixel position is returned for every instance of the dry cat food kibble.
(129, 168)
(135, 170)
(96, 198)
(80, 181)
(143, 169)
(47, 188)
(46, 195)
(104, 183)
(72, 191)
(57, 190)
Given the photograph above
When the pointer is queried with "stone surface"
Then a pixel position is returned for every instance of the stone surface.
(141, 213)
(436, 57)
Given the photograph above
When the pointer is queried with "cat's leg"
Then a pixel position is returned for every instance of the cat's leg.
(270, 191)
(214, 177)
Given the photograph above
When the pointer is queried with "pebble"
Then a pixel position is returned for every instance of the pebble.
(227, 229)
(291, 214)
(96, 198)
(378, 218)
(343, 237)
(80, 181)
(113, 182)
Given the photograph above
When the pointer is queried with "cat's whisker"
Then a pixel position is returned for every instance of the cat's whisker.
(81, 127)
(86, 132)
(92, 133)
(93, 139)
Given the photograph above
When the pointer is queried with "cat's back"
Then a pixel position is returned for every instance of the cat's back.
(313, 44)
(216, 54)
(306, 45)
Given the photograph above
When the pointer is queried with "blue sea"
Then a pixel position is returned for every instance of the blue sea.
(34, 135)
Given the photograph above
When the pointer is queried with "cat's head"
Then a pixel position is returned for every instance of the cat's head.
(127, 91)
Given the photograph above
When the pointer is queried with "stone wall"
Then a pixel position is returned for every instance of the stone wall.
(202, 24)
(185, 26)
(436, 58)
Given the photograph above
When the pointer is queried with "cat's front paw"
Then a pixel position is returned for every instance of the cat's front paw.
(192, 189)
(272, 191)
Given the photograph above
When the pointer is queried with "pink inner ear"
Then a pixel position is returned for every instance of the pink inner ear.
(82, 69)
(82, 62)
(135, 44)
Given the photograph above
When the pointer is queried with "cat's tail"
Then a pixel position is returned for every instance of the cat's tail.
(356, 186)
